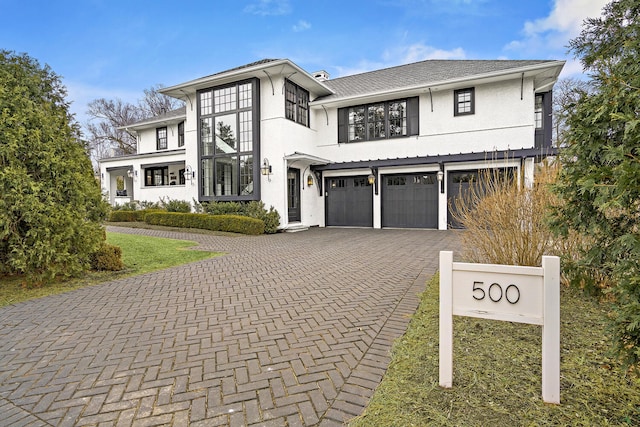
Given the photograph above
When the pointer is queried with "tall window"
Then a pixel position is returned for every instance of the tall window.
(229, 141)
(161, 138)
(463, 102)
(537, 112)
(181, 134)
(296, 103)
(383, 120)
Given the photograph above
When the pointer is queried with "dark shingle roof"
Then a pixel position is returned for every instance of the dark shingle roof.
(418, 73)
(252, 64)
(168, 116)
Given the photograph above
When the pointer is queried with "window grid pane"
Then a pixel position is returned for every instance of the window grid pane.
(356, 124)
(246, 131)
(224, 99)
(246, 175)
(226, 175)
(397, 118)
(161, 138)
(538, 112)
(206, 137)
(244, 92)
(207, 177)
(225, 135)
(376, 119)
(181, 134)
(205, 103)
(463, 101)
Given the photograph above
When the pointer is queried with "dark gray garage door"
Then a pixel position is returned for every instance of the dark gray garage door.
(349, 201)
(458, 184)
(410, 201)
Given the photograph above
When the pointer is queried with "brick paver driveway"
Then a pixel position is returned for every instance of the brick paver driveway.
(289, 329)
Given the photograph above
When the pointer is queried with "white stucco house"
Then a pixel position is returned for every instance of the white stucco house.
(386, 148)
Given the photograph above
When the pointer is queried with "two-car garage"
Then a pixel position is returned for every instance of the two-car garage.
(408, 201)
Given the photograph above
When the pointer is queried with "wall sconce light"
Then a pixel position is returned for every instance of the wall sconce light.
(309, 180)
(440, 176)
(131, 173)
(371, 179)
(266, 168)
(189, 173)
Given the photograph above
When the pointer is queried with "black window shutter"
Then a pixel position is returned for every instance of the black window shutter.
(343, 119)
(413, 116)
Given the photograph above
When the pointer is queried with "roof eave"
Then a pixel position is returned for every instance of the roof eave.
(180, 91)
(154, 123)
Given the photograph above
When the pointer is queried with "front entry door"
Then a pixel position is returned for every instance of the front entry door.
(293, 195)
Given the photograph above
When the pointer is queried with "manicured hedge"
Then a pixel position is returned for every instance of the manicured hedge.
(131, 216)
(231, 223)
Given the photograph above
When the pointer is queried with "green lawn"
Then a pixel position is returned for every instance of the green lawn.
(497, 373)
(140, 254)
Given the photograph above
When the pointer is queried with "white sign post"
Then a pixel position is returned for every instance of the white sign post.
(503, 292)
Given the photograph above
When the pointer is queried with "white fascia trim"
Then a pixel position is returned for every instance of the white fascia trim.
(143, 155)
(207, 81)
(152, 124)
(444, 84)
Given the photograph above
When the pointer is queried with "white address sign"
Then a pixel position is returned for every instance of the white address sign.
(503, 292)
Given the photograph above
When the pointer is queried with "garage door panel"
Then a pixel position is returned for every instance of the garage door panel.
(410, 201)
(349, 202)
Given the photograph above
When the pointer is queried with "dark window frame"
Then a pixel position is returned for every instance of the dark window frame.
(538, 111)
(181, 134)
(296, 103)
(162, 142)
(457, 102)
(411, 118)
(150, 175)
(232, 101)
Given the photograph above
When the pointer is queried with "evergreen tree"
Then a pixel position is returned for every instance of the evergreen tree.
(600, 180)
(51, 207)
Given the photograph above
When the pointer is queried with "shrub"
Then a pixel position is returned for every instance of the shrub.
(51, 207)
(131, 216)
(123, 216)
(230, 223)
(223, 208)
(505, 222)
(253, 209)
(172, 205)
(107, 258)
(128, 206)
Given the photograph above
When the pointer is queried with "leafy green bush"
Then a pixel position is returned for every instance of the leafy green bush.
(223, 208)
(107, 258)
(253, 209)
(131, 216)
(230, 223)
(123, 216)
(174, 205)
(128, 206)
(51, 208)
(600, 179)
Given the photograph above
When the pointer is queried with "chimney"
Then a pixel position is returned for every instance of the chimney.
(321, 75)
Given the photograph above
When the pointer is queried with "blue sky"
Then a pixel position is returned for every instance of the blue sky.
(116, 49)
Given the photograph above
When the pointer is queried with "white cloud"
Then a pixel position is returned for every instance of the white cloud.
(549, 37)
(269, 7)
(566, 17)
(421, 52)
(302, 25)
(400, 55)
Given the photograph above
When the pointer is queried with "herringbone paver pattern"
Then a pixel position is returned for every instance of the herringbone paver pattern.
(291, 329)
